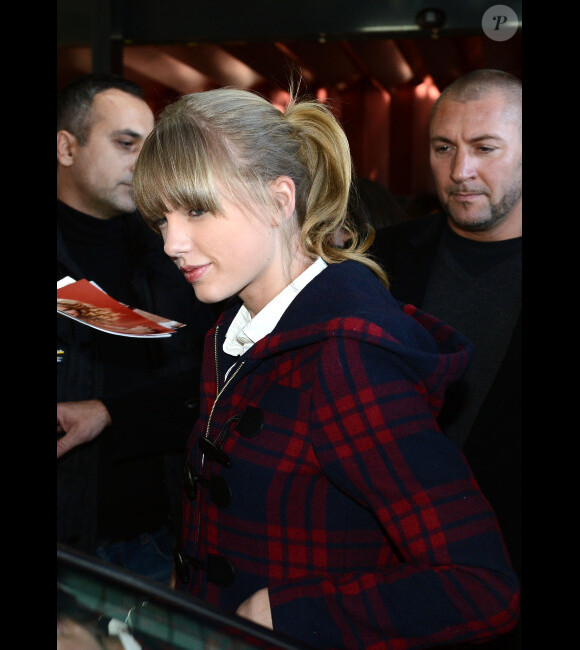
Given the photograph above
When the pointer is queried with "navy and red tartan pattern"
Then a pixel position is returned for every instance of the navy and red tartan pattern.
(349, 504)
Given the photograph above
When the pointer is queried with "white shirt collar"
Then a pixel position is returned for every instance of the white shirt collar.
(245, 330)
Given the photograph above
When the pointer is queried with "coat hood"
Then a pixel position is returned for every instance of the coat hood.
(348, 300)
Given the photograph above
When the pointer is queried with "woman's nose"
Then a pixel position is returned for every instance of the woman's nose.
(176, 241)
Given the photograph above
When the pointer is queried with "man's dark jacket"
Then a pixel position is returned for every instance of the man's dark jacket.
(151, 418)
(493, 447)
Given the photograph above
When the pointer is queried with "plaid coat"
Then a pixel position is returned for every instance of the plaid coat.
(327, 480)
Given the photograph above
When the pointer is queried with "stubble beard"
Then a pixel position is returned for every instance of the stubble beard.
(491, 217)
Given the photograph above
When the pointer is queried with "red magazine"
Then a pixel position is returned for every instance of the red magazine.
(86, 303)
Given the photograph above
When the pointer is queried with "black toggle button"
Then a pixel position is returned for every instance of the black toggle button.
(220, 571)
(220, 492)
(182, 564)
(189, 481)
(214, 452)
(251, 422)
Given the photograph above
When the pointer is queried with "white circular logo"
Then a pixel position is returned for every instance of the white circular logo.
(499, 22)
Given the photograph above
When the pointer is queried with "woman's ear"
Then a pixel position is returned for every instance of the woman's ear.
(283, 191)
(66, 144)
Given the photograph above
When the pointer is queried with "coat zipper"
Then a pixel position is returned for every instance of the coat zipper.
(218, 395)
(218, 391)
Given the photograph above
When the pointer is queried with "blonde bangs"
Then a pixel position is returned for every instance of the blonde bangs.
(173, 170)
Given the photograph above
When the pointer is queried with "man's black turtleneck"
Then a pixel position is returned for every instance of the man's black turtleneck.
(99, 248)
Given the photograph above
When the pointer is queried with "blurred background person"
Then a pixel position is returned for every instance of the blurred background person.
(370, 206)
(379, 204)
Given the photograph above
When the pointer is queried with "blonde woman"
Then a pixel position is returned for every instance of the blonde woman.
(320, 498)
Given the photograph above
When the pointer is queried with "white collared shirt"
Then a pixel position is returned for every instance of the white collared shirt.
(245, 330)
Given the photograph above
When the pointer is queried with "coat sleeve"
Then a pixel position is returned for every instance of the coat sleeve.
(446, 577)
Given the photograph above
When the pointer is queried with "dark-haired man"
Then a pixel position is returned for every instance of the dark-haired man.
(124, 405)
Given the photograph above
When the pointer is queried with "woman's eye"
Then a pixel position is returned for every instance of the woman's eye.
(195, 213)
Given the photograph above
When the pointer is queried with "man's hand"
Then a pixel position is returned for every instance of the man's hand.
(257, 609)
(81, 422)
